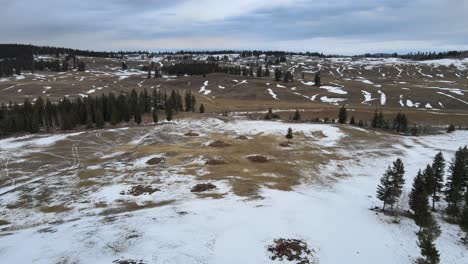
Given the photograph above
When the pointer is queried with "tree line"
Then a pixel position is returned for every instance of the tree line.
(95, 111)
(428, 189)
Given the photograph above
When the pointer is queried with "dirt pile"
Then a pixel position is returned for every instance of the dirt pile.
(219, 144)
(258, 158)
(215, 162)
(242, 137)
(202, 187)
(140, 190)
(191, 134)
(292, 250)
(128, 261)
(155, 161)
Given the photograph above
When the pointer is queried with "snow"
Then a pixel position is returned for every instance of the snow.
(204, 90)
(308, 83)
(383, 97)
(32, 141)
(333, 219)
(367, 97)
(280, 86)
(91, 91)
(453, 97)
(275, 96)
(326, 99)
(221, 87)
(428, 105)
(334, 89)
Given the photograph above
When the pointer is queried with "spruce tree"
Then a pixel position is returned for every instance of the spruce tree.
(419, 201)
(352, 121)
(99, 119)
(426, 238)
(398, 180)
(437, 180)
(169, 114)
(385, 189)
(456, 182)
(317, 81)
(202, 109)
(289, 134)
(155, 116)
(138, 114)
(464, 219)
(297, 116)
(343, 115)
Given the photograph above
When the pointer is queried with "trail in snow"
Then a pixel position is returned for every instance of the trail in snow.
(275, 96)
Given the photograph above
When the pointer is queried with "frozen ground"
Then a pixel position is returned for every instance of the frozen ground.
(328, 208)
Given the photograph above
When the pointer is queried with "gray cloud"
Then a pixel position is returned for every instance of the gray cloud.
(387, 25)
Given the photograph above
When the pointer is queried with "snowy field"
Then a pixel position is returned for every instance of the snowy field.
(328, 207)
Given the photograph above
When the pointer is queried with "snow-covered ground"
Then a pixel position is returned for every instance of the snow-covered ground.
(334, 218)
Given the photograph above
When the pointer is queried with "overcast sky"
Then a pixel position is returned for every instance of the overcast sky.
(332, 26)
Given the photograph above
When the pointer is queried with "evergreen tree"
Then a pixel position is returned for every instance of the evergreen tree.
(418, 200)
(278, 74)
(426, 238)
(289, 134)
(385, 189)
(464, 219)
(202, 109)
(297, 116)
(352, 121)
(435, 183)
(398, 173)
(317, 81)
(138, 114)
(155, 116)
(343, 115)
(169, 114)
(99, 119)
(149, 72)
(456, 182)
(259, 72)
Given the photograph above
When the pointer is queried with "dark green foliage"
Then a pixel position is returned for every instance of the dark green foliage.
(317, 81)
(342, 115)
(400, 123)
(384, 189)
(419, 201)
(155, 116)
(288, 77)
(202, 109)
(297, 116)
(437, 180)
(278, 74)
(464, 219)
(90, 112)
(391, 184)
(426, 238)
(378, 121)
(352, 121)
(271, 115)
(289, 134)
(451, 129)
(456, 181)
(169, 114)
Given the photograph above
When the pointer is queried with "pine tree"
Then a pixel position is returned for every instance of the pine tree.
(317, 81)
(456, 182)
(398, 173)
(289, 134)
(138, 114)
(464, 219)
(385, 189)
(155, 116)
(297, 116)
(149, 72)
(435, 184)
(99, 119)
(169, 114)
(419, 201)
(259, 71)
(343, 115)
(352, 121)
(426, 238)
(202, 109)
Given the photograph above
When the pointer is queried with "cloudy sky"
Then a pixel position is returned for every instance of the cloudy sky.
(331, 26)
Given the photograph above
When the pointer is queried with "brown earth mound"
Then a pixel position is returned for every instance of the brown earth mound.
(191, 134)
(155, 161)
(215, 162)
(285, 144)
(128, 261)
(258, 158)
(292, 250)
(140, 190)
(203, 187)
(219, 144)
(242, 137)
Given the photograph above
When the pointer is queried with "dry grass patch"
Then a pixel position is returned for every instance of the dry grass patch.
(55, 209)
(91, 174)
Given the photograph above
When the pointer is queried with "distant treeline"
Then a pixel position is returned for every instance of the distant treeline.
(69, 113)
(421, 55)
